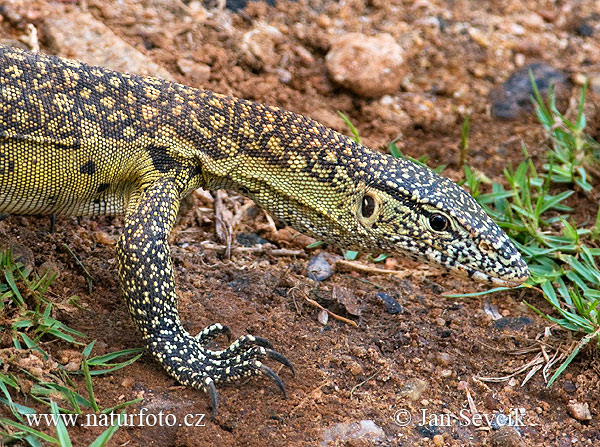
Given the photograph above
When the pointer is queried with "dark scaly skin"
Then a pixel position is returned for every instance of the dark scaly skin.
(83, 141)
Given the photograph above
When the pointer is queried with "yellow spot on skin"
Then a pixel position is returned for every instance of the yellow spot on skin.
(152, 93)
(15, 56)
(115, 82)
(116, 116)
(217, 120)
(131, 98)
(11, 93)
(85, 93)
(149, 112)
(89, 129)
(247, 131)
(63, 102)
(14, 71)
(129, 132)
(178, 110)
(108, 101)
(215, 102)
(100, 88)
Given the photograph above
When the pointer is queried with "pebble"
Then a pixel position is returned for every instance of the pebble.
(250, 239)
(22, 253)
(347, 299)
(511, 100)
(344, 432)
(197, 71)
(580, 411)
(391, 305)
(413, 389)
(49, 268)
(258, 47)
(318, 268)
(595, 82)
(323, 317)
(368, 66)
(443, 359)
(512, 323)
(506, 436)
(102, 237)
(438, 440)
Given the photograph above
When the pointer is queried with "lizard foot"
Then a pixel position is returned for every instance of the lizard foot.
(188, 360)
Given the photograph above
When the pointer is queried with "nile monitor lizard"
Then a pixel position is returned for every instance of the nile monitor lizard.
(83, 141)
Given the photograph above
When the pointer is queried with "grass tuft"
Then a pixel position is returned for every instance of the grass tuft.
(25, 315)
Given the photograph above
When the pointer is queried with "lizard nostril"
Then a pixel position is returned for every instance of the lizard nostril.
(484, 246)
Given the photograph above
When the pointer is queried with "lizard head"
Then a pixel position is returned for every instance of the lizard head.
(408, 209)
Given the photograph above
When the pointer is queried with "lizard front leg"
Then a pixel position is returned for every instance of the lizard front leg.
(148, 283)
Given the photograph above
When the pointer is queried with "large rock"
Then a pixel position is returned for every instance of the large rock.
(78, 35)
(369, 66)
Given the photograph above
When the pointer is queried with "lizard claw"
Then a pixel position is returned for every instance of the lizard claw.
(269, 372)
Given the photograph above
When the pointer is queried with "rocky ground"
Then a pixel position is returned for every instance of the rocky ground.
(409, 71)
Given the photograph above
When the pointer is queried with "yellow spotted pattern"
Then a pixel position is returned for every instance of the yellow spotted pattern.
(84, 141)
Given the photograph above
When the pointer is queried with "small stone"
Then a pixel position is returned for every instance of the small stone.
(368, 66)
(390, 263)
(250, 239)
(70, 359)
(347, 299)
(443, 359)
(512, 99)
(580, 411)
(585, 30)
(438, 440)
(102, 237)
(428, 430)
(519, 59)
(440, 322)
(197, 71)
(128, 382)
(445, 373)
(391, 305)
(323, 317)
(323, 21)
(595, 82)
(499, 420)
(49, 268)
(413, 389)
(355, 369)
(506, 436)
(22, 253)
(318, 268)
(258, 47)
(344, 432)
(513, 323)
(569, 386)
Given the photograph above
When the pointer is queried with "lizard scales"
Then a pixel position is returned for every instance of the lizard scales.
(81, 140)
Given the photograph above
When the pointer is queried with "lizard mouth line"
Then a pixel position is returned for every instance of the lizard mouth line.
(487, 278)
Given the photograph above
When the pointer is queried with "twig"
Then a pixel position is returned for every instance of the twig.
(370, 269)
(331, 314)
(254, 249)
(87, 275)
(375, 374)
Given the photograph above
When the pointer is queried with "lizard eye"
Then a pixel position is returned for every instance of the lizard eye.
(367, 207)
(438, 222)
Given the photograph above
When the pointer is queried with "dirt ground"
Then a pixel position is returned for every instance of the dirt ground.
(427, 359)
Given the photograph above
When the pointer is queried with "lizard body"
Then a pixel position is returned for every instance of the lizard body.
(83, 141)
